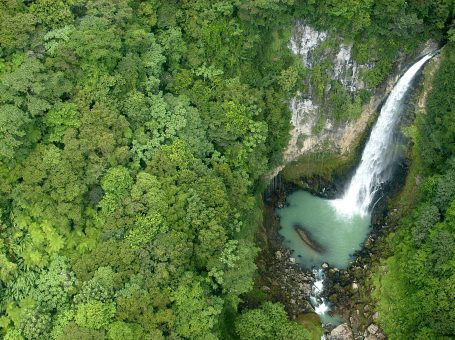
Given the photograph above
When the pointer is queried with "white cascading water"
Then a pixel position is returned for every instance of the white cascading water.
(377, 156)
(320, 306)
(372, 171)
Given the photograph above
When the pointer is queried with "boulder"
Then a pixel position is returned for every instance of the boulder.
(341, 332)
(278, 255)
(373, 329)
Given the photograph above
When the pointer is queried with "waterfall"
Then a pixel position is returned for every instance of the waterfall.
(378, 155)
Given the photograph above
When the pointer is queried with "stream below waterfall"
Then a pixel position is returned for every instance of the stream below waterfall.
(330, 231)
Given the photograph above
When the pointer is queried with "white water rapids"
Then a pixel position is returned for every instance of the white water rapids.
(378, 154)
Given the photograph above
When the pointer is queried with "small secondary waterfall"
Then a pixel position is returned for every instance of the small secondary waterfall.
(378, 153)
(320, 306)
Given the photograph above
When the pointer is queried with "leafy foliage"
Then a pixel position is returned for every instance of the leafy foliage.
(416, 293)
(133, 135)
(269, 322)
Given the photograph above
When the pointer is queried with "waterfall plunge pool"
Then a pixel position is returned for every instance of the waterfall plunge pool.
(320, 230)
(317, 232)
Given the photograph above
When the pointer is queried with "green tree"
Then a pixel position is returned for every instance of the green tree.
(195, 311)
(94, 314)
(268, 322)
(52, 13)
(116, 185)
(55, 286)
(13, 122)
(16, 25)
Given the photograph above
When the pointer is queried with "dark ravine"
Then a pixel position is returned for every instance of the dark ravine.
(348, 290)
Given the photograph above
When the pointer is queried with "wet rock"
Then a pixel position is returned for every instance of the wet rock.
(373, 333)
(292, 260)
(307, 238)
(305, 288)
(307, 307)
(379, 336)
(325, 265)
(372, 329)
(341, 332)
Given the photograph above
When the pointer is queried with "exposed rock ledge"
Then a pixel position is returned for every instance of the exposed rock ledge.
(339, 138)
(306, 113)
(344, 332)
(341, 332)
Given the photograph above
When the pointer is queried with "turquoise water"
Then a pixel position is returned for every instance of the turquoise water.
(333, 237)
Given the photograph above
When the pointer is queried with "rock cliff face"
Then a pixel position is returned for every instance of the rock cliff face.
(306, 111)
(304, 40)
(313, 129)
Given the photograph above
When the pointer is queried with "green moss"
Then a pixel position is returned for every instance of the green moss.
(320, 123)
(320, 164)
(320, 76)
(364, 96)
(341, 105)
(312, 324)
(324, 165)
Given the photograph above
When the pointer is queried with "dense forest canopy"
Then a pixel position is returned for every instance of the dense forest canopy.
(133, 139)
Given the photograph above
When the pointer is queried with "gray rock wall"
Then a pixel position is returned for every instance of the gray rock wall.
(306, 112)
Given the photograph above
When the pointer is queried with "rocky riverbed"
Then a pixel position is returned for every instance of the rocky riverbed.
(348, 291)
(281, 278)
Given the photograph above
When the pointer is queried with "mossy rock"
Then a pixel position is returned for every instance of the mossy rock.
(312, 168)
(312, 323)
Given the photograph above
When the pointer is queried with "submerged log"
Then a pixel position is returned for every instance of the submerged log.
(305, 236)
